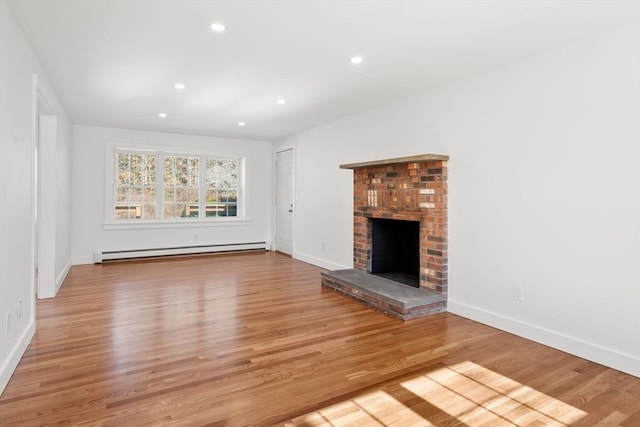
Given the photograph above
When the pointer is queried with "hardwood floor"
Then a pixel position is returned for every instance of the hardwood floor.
(253, 339)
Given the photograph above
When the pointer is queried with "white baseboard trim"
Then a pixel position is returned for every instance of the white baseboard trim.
(624, 362)
(81, 260)
(318, 261)
(11, 362)
(62, 276)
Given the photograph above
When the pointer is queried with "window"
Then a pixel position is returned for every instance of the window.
(181, 186)
(135, 186)
(222, 187)
(156, 185)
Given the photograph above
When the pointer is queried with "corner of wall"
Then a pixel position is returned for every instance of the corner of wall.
(63, 275)
(81, 260)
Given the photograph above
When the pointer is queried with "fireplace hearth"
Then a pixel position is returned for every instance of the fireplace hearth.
(400, 231)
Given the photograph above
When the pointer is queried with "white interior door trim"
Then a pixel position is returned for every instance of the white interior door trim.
(279, 150)
(45, 206)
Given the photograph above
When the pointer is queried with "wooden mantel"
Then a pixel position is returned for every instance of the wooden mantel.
(410, 159)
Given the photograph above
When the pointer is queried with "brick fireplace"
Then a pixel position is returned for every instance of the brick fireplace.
(411, 190)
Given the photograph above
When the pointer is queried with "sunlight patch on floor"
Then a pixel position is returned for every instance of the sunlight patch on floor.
(463, 394)
(475, 395)
(371, 409)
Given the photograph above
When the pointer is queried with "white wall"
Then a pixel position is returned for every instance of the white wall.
(544, 192)
(89, 233)
(63, 198)
(17, 121)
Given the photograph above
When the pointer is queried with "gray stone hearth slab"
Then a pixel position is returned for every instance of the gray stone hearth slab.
(391, 297)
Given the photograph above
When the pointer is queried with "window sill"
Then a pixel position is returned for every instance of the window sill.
(187, 223)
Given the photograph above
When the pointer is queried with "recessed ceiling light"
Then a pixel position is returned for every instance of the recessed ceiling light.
(163, 115)
(281, 101)
(356, 59)
(179, 86)
(241, 123)
(218, 27)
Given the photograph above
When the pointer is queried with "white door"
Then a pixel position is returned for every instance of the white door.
(284, 201)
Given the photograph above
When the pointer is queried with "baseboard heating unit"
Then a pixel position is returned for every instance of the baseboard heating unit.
(101, 256)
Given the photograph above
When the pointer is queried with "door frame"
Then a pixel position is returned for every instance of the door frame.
(276, 150)
(44, 208)
(47, 205)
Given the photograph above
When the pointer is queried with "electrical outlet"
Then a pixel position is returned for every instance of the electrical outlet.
(19, 310)
(196, 237)
(518, 293)
(323, 247)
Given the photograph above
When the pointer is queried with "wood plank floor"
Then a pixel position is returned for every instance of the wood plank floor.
(253, 339)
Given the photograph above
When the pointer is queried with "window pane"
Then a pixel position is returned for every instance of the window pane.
(149, 210)
(135, 183)
(181, 192)
(194, 171)
(169, 171)
(149, 195)
(181, 210)
(222, 187)
(182, 178)
(150, 172)
(169, 210)
(169, 195)
(135, 194)
(136, 169)
(192, 210)
(121, 194)
(123, 169)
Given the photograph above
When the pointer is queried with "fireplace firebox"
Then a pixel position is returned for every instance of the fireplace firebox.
(395, 250)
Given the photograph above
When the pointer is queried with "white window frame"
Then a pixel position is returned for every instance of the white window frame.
(111, 223)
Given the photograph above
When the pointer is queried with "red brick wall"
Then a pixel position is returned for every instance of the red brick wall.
(407, 191)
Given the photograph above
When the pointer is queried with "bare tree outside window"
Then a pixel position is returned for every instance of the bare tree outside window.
(135, 192)
(222, 187)
(181, 186)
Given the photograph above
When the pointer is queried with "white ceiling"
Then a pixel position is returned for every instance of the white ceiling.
(115, 63)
